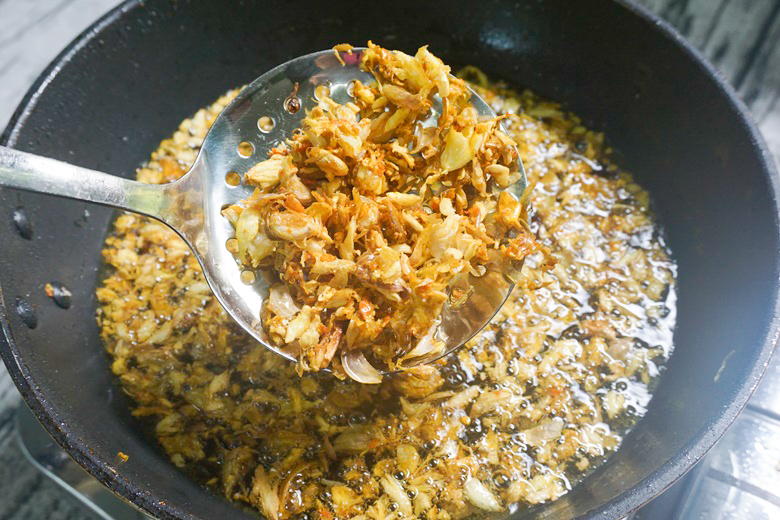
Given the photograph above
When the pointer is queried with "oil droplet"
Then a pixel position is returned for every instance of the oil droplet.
(82, 220)
(22, 223)
(26, 313)
(356, 418)
(60, 294)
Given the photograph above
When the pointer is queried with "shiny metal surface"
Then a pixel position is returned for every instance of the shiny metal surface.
(739, 478)
(192, 205)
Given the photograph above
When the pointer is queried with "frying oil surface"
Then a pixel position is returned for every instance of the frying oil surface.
(516, 417)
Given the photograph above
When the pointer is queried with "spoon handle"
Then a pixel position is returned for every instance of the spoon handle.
(31, 172)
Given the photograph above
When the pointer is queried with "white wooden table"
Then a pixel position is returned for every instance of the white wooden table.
(741, 37)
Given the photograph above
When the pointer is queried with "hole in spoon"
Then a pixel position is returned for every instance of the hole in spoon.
(293, 104)
(248, 277)
(351, 87)
(232, 245)
(232, 179)
(245, 149)
(321, 91)
(265, 124)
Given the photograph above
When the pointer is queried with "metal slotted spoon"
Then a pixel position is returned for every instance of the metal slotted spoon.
(239, 138)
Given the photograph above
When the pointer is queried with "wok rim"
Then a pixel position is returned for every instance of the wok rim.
(630, 500)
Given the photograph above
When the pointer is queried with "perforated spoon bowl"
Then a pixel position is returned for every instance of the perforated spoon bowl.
(260, 117)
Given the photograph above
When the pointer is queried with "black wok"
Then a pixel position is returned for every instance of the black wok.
(127, 82)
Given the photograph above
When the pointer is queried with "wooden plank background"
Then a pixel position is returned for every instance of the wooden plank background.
(740, 37)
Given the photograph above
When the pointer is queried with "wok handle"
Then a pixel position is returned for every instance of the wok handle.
(29, 172)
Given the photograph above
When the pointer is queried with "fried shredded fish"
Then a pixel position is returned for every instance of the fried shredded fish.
(367, 215)
(514, 419)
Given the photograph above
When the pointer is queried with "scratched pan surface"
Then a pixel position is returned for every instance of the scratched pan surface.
(126, 83)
